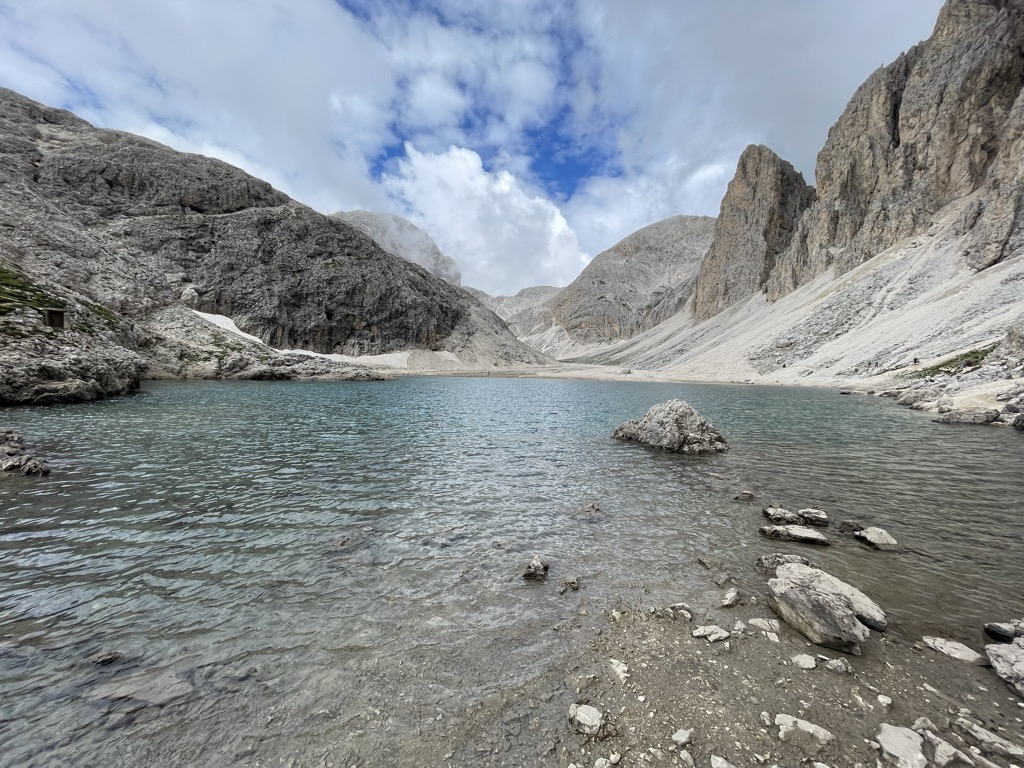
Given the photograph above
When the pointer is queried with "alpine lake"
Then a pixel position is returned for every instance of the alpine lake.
(296, 573)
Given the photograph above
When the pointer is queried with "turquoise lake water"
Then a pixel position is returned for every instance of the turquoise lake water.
(295, 549)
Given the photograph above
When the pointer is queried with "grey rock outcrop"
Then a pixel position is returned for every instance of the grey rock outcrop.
(943, 121)
(864, 608)
(675, 426)
(119, 229)
(758, 216)
(633, 286)
(400, 237)
(1008, 662)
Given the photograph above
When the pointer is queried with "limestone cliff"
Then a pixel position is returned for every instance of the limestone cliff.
(631, 287)
(130, 235)
(759, 212)
(941, 123)
(400, 237)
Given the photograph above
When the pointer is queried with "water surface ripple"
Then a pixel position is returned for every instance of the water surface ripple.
(308, 556)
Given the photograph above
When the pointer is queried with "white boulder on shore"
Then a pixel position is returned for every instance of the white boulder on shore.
(675, 426)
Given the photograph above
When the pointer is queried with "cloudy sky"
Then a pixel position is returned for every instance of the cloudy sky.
(525, 136)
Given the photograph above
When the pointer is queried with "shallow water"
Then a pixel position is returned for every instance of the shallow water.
(320, 561)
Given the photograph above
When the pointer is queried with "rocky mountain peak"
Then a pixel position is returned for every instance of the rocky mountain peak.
(759, 212)
(400, 237)
(939, 124)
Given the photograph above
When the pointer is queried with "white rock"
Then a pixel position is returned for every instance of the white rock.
(901, 747)
(793, 730)
(720, 762)
(804, 661)
(686, 758)
(839, 666)
(944, 752)
(767, 625)
(620, 669)
(955, 650)
(731, 598)
(865, 609)
(614, 758)
(879, 538)
(712, 632)
(682, 736)
(601, 762)
(588, 720)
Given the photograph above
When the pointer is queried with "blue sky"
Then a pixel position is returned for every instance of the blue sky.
(525, 136)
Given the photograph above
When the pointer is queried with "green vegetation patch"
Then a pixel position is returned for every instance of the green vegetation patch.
(18, 292)
(956, 364)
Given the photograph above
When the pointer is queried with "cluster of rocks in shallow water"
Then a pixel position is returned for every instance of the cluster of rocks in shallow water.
(13, 457)
(674, 426)
(935, 393)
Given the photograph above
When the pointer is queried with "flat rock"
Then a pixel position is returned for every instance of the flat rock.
(987, 741)
(682, 737)
(781, 516)
(675, 426)
(804, 661)
(839, 666)
(901, 747)
(955, 650)
(823, 618)
(878, 538)
(1008, 662)
(793, 730)
(800, 533)
(864, 608)
(150, 688)
(712, 632)
(968, 416)
(813, 516)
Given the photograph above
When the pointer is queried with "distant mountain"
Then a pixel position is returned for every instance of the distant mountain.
(117, 239)
(629, 288)
(507, 306)
(402, 238)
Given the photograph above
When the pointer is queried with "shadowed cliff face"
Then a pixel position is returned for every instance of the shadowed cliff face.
(941, 123)
(758, 216)
(140, 230)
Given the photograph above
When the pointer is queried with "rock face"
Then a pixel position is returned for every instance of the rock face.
(629, 288)
(942, 122)
(400, 237)
(759, 212)
(121, 237)
(675, 426)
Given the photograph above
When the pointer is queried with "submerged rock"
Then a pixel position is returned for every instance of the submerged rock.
(14, 459)
(536, 570)
(800, 533)
(878, 538)
(767, 564)
(675, 426)
(149, 688)
(813, 516)
(781, 516)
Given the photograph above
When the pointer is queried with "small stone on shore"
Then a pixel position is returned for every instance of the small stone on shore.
(955, 650)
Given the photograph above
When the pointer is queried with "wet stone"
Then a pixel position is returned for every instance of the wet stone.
(537, 570)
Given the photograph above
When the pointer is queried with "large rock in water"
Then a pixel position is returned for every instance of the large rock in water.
(756, 223)
(822, 608)
(675, 426)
